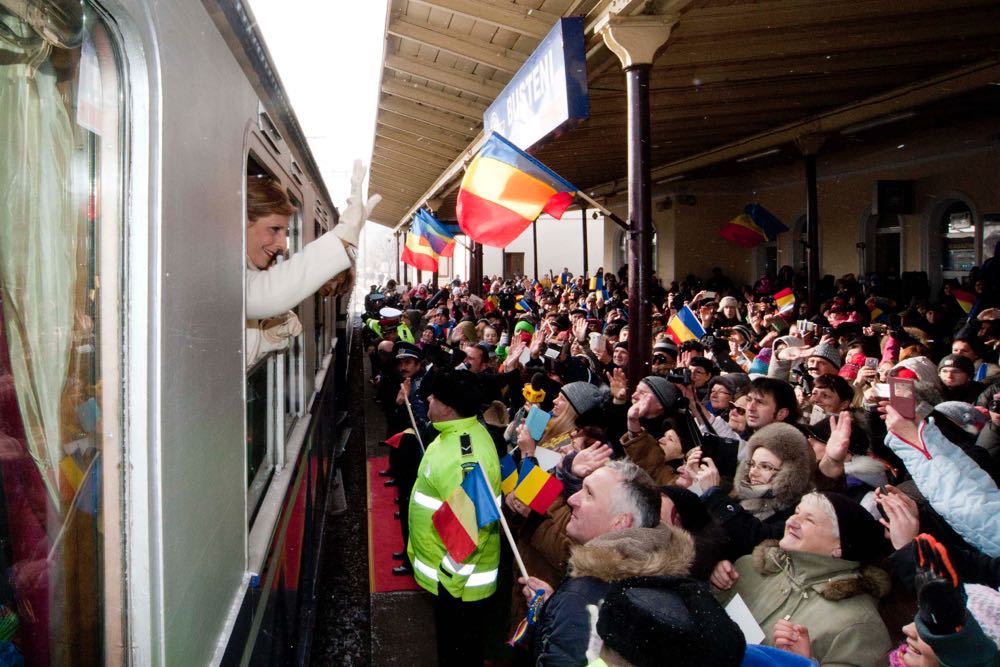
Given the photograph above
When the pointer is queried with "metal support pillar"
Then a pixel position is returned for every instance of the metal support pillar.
(586, 266)
(477, 260)
(636, 41)
(534, 246)
(809, 145)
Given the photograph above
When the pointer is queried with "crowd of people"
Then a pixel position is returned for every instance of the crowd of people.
(831, 472)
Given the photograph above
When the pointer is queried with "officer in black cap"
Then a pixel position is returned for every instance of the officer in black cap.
(405, 458)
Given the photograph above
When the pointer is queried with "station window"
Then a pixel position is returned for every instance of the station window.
(275, 379)
(60, 336)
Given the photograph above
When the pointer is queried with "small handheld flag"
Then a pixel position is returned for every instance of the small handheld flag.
(395, 440)
(966, 300)
(537, 488)
(530, 619)
(508, 474)
(684, 326)
(785, 300)
(468, 508)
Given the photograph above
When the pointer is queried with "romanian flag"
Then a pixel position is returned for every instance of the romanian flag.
(395, 440)
(508, 474)
(504, 190)
(418, 253)
(522, 304)
(965, 299)
(785, 300)
(684, 326)
(434, 232)
(537, 488)
(753, 226)
(470, 507)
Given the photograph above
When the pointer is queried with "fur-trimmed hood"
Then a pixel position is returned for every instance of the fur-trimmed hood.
(634, 552)
(797, 463)
(833, 578)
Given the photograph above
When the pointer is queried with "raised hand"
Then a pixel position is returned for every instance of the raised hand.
(357, 211)
(619, 385)
(940, 595)
(903, 522)
(840, 437)
(590, 459)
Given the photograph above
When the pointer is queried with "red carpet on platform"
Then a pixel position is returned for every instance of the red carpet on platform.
(383, 532)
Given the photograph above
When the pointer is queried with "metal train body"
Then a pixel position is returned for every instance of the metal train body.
(209, 477)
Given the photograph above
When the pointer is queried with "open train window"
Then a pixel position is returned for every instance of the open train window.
(61, 341)
(275, 383)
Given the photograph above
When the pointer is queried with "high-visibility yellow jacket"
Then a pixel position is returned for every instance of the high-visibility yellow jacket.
(439, 474)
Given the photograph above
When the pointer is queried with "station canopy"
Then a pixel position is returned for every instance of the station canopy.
(736, 79)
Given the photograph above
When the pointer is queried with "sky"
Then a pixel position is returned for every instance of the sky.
(329, 56)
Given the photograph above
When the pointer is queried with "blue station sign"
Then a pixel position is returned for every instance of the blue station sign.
(548, 92)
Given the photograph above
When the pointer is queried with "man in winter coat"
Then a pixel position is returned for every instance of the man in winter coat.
(619, 497)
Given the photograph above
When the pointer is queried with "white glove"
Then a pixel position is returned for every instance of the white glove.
(353, 218)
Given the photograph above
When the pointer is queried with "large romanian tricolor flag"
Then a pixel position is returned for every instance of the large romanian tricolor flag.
(504, 190)
(470, 507)
(434, 232)
(685, 326)
(753, 226)
(418, 253)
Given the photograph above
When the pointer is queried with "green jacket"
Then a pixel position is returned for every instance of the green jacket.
(835, 599)
(439, 474)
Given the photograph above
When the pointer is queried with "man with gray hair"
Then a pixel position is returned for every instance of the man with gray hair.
(616, 531)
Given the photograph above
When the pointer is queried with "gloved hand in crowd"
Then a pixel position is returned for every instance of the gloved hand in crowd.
(353, 217)
(940, 595)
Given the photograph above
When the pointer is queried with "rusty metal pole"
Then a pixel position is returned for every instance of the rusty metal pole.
(534, 246)
(477, 253)
(586, 266)
(398, 251)
(640, 233)
(812, 232)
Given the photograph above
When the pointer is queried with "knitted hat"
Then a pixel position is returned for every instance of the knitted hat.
(745, 331)
(984, 605)
(963, 364)
(828, 352)
(526, 327)
(691, 511)
(727, 302)
(668, 620)
(922, 369)
(666, 346)
(666, 393)
(862, 538)
(969, 418)
(583, 396)
(761, 363)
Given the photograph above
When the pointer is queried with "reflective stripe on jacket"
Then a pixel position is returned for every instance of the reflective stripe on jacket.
(440, 473)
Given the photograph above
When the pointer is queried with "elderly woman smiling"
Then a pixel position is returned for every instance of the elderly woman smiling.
(813, 592)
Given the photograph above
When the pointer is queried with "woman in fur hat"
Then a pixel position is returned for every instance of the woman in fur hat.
(814, 592)
(768, 484)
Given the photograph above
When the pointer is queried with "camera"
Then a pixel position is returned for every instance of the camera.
(680, 376)
(994, 405)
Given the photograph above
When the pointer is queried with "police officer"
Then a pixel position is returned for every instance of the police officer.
(463, 590)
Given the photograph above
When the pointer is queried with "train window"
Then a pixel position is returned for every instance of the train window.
(61, 124)
(275, 385)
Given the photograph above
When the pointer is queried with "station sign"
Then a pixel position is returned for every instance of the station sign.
(548, 93)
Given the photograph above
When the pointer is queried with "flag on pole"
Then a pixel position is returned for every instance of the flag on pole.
(537, 489)
(965, 299)
(753, 226)
(504, 190)
(395, 440)
(508, 474)
(684, 326)
(418, 253)
(434, 232)
(785, 300)
(470, 507)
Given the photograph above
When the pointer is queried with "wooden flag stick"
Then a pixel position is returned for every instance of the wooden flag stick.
(413, 421)
(614, 218)
(506, 528)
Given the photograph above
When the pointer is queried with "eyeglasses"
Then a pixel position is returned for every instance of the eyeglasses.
(738, 410)
(659, 359)
(764, 467)
(720, 391)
